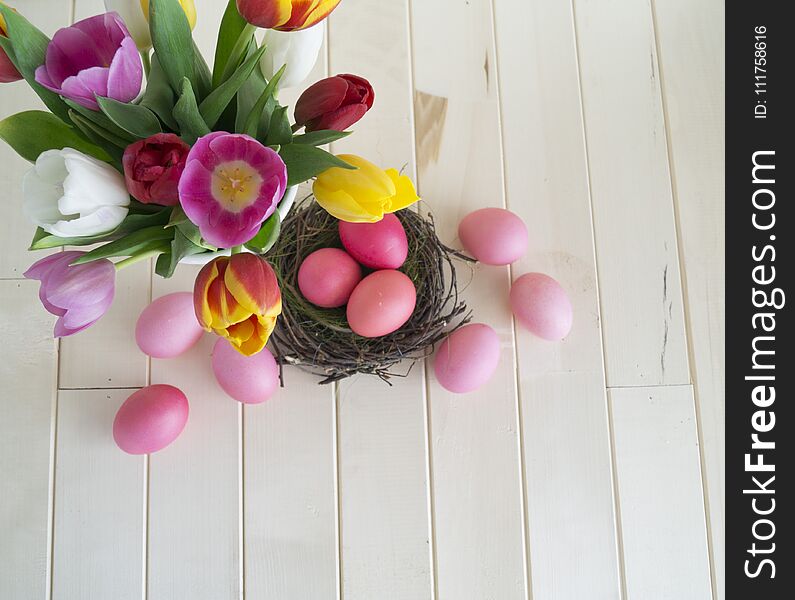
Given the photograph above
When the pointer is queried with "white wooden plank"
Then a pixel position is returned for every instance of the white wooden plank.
(385, 539)
(478, 500)
(289, 482)
(659, 487)
(289, 477)
(690, 38)
(99, 502)
(643, 323)
(27, 380)
(195, 516)
(105, 355)
(17, 97)
(564, 407)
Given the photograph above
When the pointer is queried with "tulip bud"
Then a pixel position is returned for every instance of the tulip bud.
(238, 298)
(78, 295)
(8, 72)
(297, 49)
(285, 15)
(152, 168)
(334, 103)
(365, 194)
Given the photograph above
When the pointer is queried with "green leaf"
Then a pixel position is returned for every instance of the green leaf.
(32, 132)
(102, 122)
(159, 97)
(232, 25)
(304, 162)
(280, 132)
(43, 240)
(173, 42)
(135, 119)
(204, 79)
(26, 46)
(187, 114)
(99, 137)
(318, 138)
(148, 238)
(267, 236)
(264, 107)
(214, 105)
(181, 247)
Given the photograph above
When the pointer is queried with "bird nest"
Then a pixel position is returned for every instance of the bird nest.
(320, 341)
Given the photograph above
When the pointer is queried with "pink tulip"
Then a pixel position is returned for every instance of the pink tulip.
(78, 295)
(94, 57)
(230, 185)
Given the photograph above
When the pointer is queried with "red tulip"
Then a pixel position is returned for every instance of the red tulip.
(152, 168)
(334, 103)
(8, 72)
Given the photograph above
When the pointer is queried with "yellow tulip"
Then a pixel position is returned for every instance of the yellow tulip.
(365, 194)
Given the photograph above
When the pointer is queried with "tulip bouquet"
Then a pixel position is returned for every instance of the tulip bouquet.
(147, 152)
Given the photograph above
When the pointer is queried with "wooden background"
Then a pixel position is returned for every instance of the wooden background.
(589, 469)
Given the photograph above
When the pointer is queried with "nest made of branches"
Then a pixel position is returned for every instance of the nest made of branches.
(320, 341)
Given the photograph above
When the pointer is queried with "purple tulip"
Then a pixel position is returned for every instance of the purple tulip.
(78, 295)
(94, 57)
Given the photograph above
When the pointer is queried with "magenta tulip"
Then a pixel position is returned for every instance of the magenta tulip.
(94, 57)
(78, 295)
(230, 185)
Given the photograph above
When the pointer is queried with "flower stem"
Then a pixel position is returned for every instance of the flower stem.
(147, 61)
(137, 258)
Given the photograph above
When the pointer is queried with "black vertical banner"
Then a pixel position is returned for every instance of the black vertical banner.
(760, 261)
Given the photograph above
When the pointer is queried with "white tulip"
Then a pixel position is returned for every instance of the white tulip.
(69, 194)
(133, 16)
(296, 49)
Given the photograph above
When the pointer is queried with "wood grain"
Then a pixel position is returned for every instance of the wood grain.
(691, 41)
(98, 546)
(384, 523)
(27, 409)
(475, 446)
(643, 323)
(564, 408)
(659, 486)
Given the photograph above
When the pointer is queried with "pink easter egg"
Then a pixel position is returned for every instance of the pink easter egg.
(327, 277)
(494, 236)
(150, 419)
(381, 303)
(168, 326)
(381, 245)
(247, 379)
(467, 359)
(542, 306)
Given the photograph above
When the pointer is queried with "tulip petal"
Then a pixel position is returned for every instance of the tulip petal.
(80, 284)
(344, 207)
(71, 51)
(102, 220)
(324, 96)
(208, 274)
(42, 267)
(406, 193)
(341, 119)
(83, 316)
(253, 284)
(267, 15)
(126, 72)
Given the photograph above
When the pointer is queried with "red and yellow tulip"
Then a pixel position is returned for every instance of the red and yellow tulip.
(285, 15)
(238, 298)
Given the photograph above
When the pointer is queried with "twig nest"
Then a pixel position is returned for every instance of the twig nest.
(321, 340)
